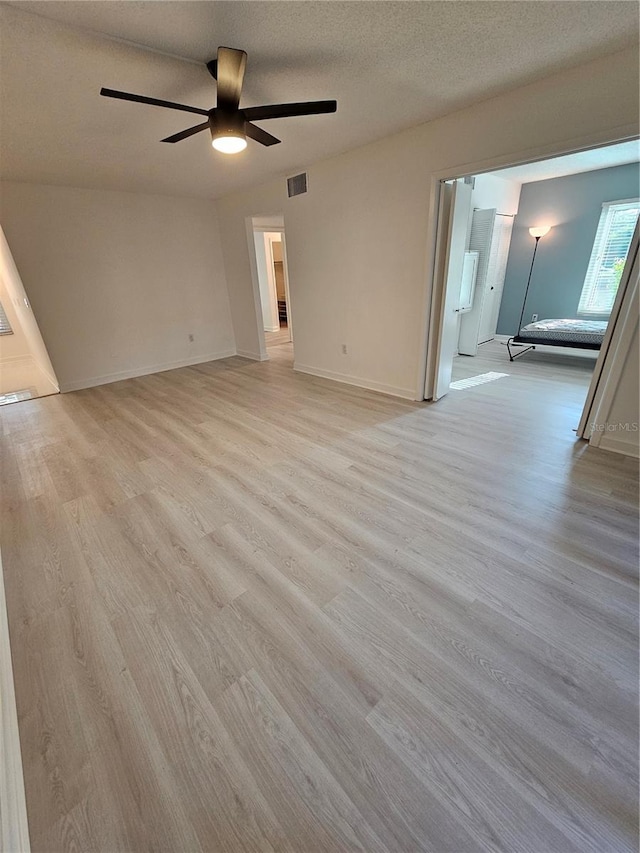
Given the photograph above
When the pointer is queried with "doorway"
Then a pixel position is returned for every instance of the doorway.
(26, 371)
(541, 248)
(269, 249)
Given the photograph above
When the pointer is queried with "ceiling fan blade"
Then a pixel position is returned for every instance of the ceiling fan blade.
(309, 108)
(184, 134)
(212, 68)
(230, 74)
(142, 99)
(259, 134)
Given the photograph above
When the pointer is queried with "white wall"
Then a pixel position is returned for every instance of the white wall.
(492, 191)
(16, 303)
(359, 244)
(24, 361)
(118, 281)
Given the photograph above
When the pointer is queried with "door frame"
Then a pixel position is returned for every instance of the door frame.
(448, 317)
(431, 296)
(251, 229)
(615, 348)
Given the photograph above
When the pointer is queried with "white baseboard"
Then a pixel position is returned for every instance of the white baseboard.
(369, 384)
(626, 446)
(14, 829)
(78, 384)
(254, 356)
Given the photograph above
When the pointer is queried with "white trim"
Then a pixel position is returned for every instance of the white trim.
(599, 248)
(629, 201)
(255, 284)
(269, 240)
(79, 384)
(254, 356)
(602, 139)
(619, 445)
(287, 292)
(346, 379)
(14, 829)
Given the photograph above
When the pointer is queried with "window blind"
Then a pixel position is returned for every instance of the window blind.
(610, 248)
(5, 325)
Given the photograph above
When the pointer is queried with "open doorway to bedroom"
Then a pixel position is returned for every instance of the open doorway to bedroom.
(530, 259)
(269, 244)
(26, 371)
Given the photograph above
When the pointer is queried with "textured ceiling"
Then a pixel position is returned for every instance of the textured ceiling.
(390, 65)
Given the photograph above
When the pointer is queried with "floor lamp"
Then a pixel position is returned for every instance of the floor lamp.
(537, 232)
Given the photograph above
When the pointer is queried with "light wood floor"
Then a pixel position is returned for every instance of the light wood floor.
(252, 610)
(276, 338)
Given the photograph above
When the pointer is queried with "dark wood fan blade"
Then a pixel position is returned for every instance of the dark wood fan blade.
(184, 134)
(260, 135)
(230, 70)
(212, 68)
(142, 99)
(309, 108)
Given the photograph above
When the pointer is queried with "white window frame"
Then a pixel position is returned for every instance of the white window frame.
(609, 208)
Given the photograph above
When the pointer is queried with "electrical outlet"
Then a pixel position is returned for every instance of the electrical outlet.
(191, 338)
(534, 317)
(344, 349)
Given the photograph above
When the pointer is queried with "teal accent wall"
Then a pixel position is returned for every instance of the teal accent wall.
(572, 206)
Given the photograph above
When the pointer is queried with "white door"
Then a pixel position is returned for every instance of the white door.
(495, 279)
(483, 223)
(456, 201)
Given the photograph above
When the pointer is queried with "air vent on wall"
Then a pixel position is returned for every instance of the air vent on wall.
(5, 325)
(297, 185)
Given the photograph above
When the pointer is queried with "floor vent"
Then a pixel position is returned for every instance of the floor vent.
(297, 185)
(480, 379)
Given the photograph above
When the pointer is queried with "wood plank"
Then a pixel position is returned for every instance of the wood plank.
(252, 609)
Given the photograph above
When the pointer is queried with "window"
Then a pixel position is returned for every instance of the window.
(613, 238)
(5, 325)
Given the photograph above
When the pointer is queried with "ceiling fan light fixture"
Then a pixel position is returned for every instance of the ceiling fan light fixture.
(229, 125)
(229, 143)
(227, 131)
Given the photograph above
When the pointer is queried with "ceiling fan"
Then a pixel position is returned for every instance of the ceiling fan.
(230, 125)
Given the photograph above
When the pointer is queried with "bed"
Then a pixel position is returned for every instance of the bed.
(582, 334)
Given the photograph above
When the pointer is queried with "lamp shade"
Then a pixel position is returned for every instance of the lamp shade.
(539, 230)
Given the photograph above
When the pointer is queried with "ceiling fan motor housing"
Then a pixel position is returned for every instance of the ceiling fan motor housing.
(225, 123)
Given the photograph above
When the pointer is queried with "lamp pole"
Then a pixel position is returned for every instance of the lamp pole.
(526, 293)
